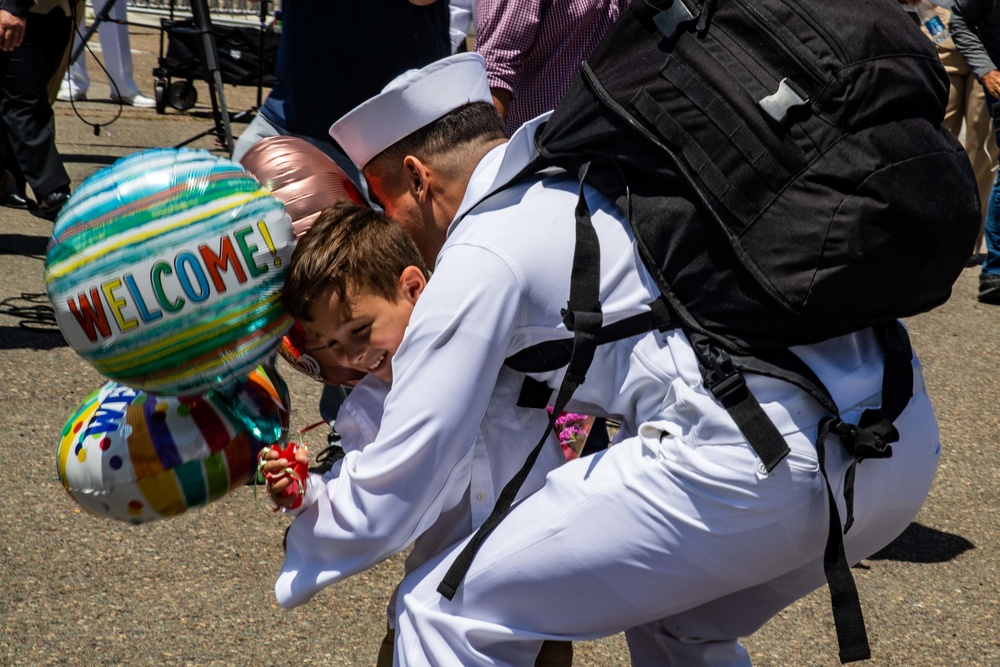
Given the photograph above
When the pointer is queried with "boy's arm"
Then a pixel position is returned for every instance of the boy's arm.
(443, 376)
(357, 423)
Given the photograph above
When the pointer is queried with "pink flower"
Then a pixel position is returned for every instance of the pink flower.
(571, 429)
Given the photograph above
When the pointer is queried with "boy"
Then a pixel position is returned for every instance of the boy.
(359, 275)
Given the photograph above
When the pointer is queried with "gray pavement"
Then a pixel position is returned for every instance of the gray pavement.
(197, 589)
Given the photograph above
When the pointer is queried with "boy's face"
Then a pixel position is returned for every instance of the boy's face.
(364, 330)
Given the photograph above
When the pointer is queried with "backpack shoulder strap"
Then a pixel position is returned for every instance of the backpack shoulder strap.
(582, 316)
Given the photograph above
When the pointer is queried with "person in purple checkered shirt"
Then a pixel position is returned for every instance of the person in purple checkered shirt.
(533, 49)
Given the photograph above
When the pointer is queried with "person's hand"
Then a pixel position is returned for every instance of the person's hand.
(11, 31)
(274, 464)
(991, 81)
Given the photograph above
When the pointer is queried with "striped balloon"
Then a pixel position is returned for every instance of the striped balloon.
(165, 271)
(138, 457)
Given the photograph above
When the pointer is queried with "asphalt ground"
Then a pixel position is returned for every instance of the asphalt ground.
(198, 589)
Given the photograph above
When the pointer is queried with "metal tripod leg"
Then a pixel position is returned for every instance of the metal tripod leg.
(222, 129)
(91, 29)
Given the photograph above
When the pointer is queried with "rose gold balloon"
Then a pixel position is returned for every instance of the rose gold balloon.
(306, 181)
(301, 177)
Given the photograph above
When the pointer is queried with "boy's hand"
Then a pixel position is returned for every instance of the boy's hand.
(286, 489)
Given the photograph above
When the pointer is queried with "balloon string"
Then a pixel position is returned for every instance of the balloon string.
(311, 427)
(259, 474)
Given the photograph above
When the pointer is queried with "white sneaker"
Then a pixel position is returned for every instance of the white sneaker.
(66, 91)
(138, 100)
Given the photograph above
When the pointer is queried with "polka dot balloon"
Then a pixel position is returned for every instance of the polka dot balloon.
(136, 457)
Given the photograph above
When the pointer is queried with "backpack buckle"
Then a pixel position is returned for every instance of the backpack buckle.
(780, 104)
(721, 377)
(669, 21)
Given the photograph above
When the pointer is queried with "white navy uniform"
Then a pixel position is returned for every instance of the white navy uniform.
(677, 535)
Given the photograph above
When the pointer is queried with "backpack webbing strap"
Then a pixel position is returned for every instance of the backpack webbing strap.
(704, 97)
(584, 318)
(716, 180)
(848, 619)
(721, 377)
(553, 354)
(786, 366)
(870, 439)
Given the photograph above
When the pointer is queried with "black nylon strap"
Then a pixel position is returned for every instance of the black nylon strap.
(729, 387)
(534, 394)
(785, 365)
(897, 378)
(554, 354)
(852, 638)
(584, 318)
(871, 438)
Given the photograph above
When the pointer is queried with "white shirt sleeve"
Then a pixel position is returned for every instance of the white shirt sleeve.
(357, 423)
(443, 376)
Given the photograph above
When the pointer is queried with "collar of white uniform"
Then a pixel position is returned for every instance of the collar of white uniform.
(499, 166)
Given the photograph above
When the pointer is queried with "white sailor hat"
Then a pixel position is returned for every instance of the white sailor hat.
(409, 102)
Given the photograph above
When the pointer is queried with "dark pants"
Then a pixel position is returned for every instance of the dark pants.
(26, 120)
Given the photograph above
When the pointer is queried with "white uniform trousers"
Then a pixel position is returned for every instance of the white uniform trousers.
(116, 53)
(684, 547)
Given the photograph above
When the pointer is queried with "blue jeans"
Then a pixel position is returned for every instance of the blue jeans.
(991, 228)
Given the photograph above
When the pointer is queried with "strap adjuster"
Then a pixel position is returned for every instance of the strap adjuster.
(866, 443)
(730, 389)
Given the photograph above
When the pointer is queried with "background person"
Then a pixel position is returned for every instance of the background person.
(33, 36)
(975, 29)
(116, 50)
(533, 49)
(331, 57)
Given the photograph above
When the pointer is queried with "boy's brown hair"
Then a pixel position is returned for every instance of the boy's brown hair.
(350, 248)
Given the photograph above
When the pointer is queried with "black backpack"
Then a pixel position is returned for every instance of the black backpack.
(785, 170)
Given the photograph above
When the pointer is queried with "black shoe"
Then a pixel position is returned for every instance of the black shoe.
(330, 455)
(50, 205)
(15, 200)
(975, 260)
(989, 288)
(9, 192)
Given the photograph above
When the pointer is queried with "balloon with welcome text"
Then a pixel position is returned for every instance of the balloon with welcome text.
(165, 271)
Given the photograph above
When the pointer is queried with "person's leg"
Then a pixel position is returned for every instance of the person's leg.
(967, 106)
(989, 275)
(259, 128)
(957, 70)
(980, 143)
(655, 529)
(25, 107)
(77, 81)
(117, 50)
